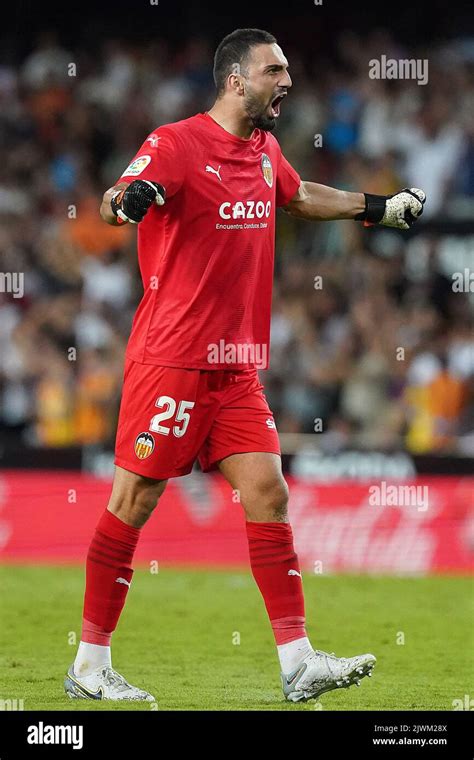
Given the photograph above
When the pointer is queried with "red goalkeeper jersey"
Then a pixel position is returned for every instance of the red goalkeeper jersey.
(206, 256)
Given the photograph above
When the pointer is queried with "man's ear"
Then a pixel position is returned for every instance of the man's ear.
(237, 83)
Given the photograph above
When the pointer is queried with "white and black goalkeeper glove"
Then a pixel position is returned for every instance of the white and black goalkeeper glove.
(132, 203)
(400, 210)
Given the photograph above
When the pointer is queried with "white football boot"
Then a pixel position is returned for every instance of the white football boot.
(104, 683)
(319, 672)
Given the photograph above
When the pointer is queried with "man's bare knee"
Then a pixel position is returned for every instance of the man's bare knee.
(267, 501)
(134, 497)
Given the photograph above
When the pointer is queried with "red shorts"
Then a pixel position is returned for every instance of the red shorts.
(170, 416)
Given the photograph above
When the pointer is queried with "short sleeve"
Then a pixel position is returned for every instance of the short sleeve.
(288, 182)
(160, 159)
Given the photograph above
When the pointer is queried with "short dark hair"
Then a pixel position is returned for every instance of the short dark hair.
(235, 48)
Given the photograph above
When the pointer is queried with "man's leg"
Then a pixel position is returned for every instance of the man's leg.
(306, 673)
(109, 565)
(264, 498)
(158, 452)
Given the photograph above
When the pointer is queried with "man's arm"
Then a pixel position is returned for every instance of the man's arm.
(321, 203)
(106, 210)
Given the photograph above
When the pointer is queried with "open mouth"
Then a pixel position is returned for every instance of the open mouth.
(275, 104)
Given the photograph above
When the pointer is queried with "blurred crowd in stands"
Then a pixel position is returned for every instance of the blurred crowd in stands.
(384, 359)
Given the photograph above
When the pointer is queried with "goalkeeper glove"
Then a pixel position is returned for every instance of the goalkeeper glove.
(132, 203)
(400, 210)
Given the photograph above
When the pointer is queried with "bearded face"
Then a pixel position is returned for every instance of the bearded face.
(263, 113)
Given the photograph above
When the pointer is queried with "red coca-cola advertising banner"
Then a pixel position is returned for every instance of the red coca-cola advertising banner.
(390, 527)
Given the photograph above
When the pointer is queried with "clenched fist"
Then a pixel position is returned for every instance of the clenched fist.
(132, 203)
(400, 210)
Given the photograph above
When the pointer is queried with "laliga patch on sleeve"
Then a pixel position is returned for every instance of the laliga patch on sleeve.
(137, 166)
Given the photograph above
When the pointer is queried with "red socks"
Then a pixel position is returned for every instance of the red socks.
(108, 577)
(277, 574)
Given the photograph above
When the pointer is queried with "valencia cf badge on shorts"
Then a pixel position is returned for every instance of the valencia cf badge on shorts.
(144, 445)
(267, 170)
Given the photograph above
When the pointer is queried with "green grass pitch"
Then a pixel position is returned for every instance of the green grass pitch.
(200, 639)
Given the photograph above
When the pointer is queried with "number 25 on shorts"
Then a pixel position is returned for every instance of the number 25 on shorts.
(171, 409)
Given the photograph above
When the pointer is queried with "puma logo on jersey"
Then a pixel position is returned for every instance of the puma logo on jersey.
(153, 139)
(294, 572)
(123, 580)
(214, 171)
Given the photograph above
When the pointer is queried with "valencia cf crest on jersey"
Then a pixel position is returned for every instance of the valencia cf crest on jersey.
(267, 170)
(144, 445)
